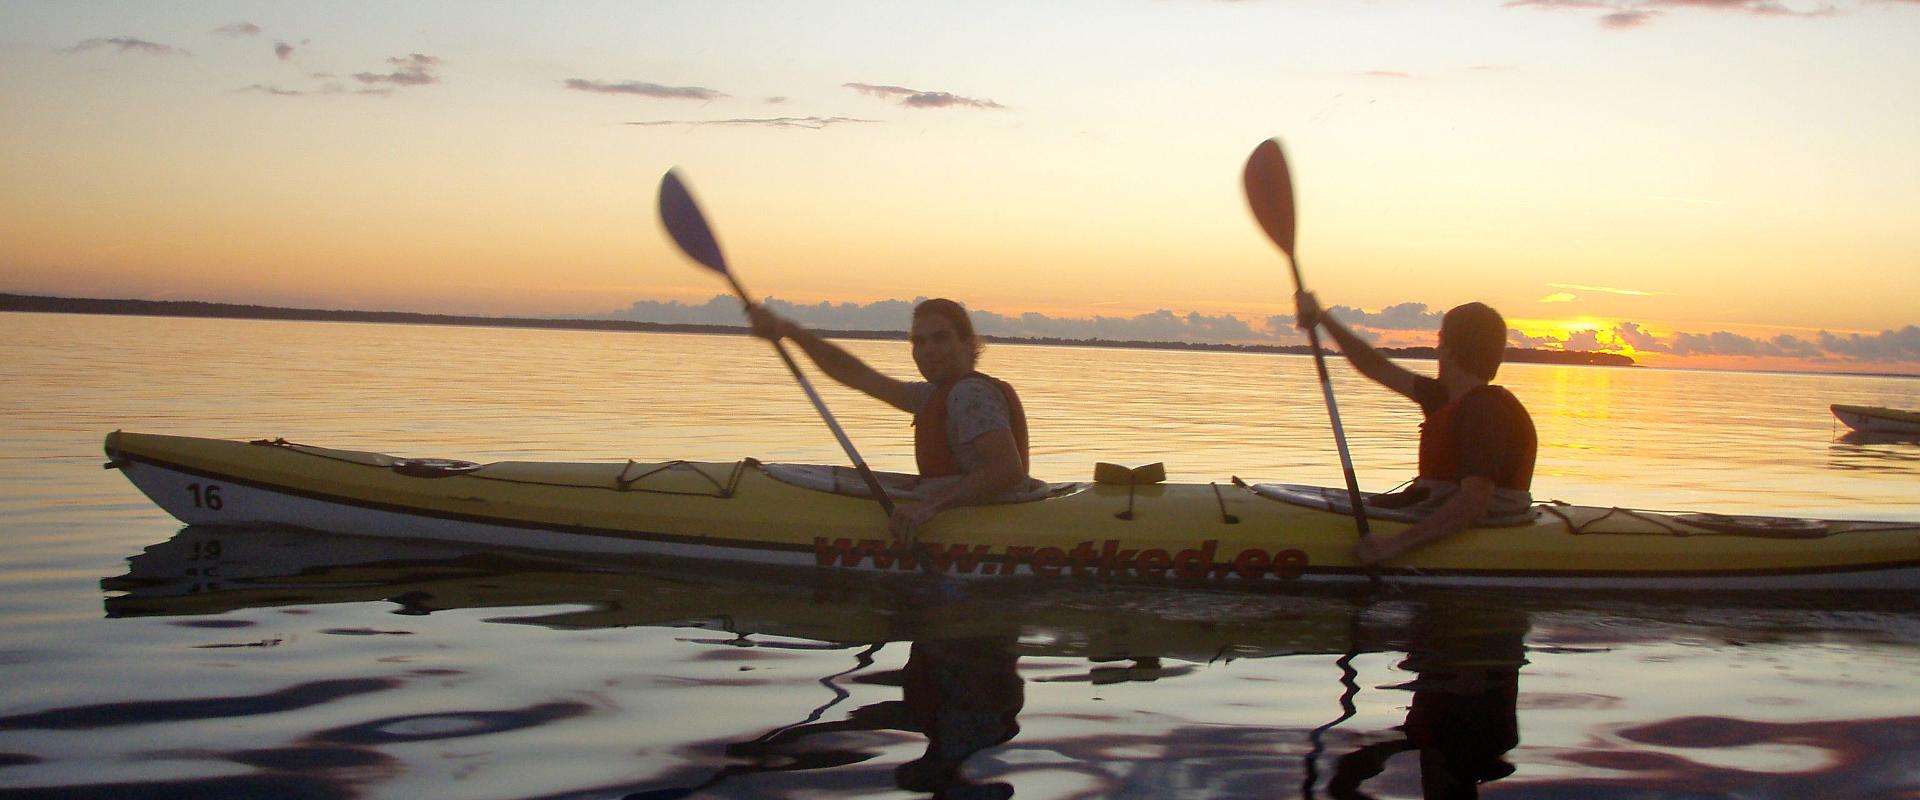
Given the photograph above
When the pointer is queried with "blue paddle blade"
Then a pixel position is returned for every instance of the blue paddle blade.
(687, 225)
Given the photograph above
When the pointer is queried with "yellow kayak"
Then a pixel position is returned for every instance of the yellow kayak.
(811, 518)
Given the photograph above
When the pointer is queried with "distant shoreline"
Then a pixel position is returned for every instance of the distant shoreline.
(197, 308)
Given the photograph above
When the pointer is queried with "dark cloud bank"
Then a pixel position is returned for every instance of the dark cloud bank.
(1900, 345)
(127, 44)
(1628, 14)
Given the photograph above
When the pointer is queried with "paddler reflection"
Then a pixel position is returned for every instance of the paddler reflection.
(1466, 661)
(962, 694)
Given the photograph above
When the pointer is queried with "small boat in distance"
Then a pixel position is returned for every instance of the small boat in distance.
(1873, 419)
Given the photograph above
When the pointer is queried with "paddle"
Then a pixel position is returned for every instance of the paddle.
(689, 230)
(1270, 194)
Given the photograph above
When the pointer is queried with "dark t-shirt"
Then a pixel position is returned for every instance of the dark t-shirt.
(1487, 433)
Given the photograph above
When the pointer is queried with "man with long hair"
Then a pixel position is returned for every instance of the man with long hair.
(967, 425)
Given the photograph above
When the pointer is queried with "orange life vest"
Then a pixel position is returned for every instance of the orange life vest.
(1440, 461)
(931, 450)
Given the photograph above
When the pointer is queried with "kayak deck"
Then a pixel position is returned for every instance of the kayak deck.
(1874, 419)
(737, 511)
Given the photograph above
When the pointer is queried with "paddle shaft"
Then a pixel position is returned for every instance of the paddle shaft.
(820, 405)
(1333, 414)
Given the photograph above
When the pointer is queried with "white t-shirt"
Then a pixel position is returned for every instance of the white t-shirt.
(975, 406)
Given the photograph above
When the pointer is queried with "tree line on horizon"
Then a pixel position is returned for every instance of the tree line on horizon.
(201, 308)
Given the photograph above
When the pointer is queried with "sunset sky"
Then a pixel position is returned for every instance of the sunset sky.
(1720, 183)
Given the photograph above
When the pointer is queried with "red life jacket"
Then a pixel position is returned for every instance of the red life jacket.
(1440, 461)
(931, 450)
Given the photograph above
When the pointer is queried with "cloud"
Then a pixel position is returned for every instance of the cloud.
(282, 50)
(1385, 73)
(1795, 346)
(1765, 8)
(1559, 297)
(1621, 20)
(1896, 345)
(1890, 345)
(238, 29)
(1397, 317)
(1719, 343)
(1586, 341)
(644, 89)
(277, 91)
(330, 88)
(893, 315)
(1605, 289)
(917, 98)
(1517, 339)
(812, 123)
(1899, 345)
(1624, 14)
(1638, 338)
(412, 70)
(128, 44)
(1154, 326)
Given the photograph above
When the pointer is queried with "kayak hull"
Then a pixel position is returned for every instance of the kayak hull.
(1873, 419)
(1221, 533)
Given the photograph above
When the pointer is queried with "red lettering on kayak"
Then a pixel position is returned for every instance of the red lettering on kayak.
(1083, 560)
(1289, 564)
(1047, 561)
(1015, 557)
(1115, 561)
(1252, 564)
(955, 557)
(1196, 563)
(840, 550)
(1081, 555)
(1154, 562)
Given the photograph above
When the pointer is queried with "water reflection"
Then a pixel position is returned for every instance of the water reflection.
(1095, 690)
(1891, 454)
(961, 695)
(1462, 721)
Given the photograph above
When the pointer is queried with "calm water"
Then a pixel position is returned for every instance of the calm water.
(138, 659)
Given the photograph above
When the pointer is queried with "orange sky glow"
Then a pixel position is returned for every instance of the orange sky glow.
(1724, 185)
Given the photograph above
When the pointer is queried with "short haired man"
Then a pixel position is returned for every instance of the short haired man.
(1477, 445)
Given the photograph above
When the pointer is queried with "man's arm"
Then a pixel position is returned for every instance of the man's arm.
(839, 364)
(1464, 508)
(999, 471)
(1362, 355)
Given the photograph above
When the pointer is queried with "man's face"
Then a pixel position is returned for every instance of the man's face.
(938, 350)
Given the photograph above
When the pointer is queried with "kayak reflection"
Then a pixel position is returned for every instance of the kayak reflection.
(204, 571)
(995, 688)
(1466, 659)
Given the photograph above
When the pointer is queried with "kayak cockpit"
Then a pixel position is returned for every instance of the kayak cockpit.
(1334, 499)
(901, 487)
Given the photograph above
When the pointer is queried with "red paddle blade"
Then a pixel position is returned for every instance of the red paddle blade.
(688, 227)
(1270, 193)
